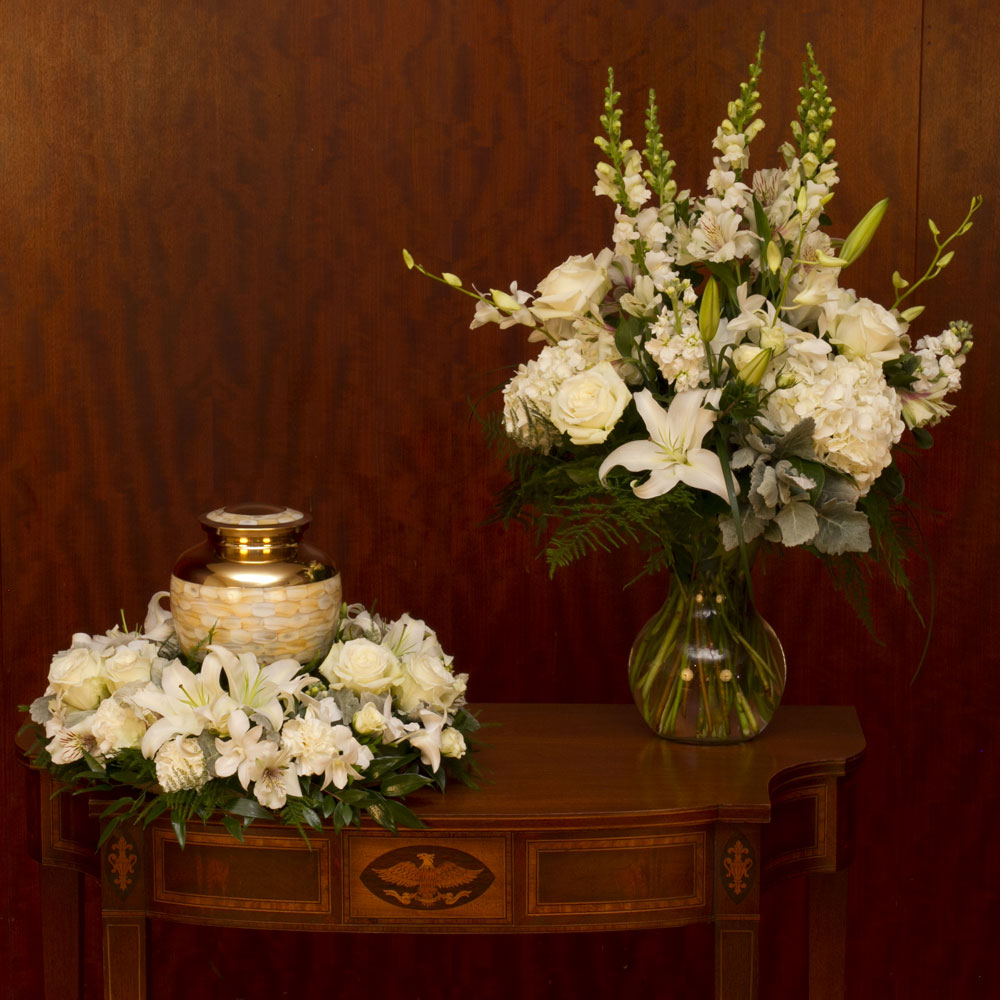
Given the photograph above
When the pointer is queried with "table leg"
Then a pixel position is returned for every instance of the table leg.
(737, 911)
(827, 934)
(61, 892)
(125, 955)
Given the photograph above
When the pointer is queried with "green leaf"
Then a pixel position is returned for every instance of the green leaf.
(922, 437)
(403, 784)
(381, 766)
(760, 217)
(842, 528)
(343, 815)
(179, 823)
(248, 807)
(234, 827)
(628, 330)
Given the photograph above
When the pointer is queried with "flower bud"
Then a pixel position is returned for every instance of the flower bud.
(452, 279)
(407, 258)
(503, 300)
(773, 257)
(909, 315)
(861, 235)
(710, 311)
(752, 372)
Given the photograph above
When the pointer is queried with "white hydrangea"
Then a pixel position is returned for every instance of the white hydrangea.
(857, 415)
(527, 397)
(679, 356)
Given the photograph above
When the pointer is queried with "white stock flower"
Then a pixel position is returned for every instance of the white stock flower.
(673, 453)
(180, 764)
(857, 415)
(575, 287)
(587, 406)
(75, 675)
(680, 356)
(361, 665)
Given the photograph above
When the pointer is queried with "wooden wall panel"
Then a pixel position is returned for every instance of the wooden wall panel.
(202, 208)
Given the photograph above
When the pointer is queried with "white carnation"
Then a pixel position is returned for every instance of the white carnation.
(116, 727)
(180, 764)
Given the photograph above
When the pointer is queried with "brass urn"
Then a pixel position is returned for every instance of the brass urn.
(254, 585)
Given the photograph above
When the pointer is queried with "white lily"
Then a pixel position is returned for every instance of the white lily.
(258, 688)
(187, 703)
(673, 453)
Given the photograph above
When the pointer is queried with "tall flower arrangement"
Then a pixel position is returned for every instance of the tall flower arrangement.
(708, 382)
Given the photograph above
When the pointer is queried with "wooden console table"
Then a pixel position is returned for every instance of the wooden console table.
(586, 822)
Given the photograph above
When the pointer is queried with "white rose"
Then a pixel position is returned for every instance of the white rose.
(360, 665)
(864, 329)
(452, 743)
(574, 287)
(369, 720)
(426, 680)
(129, 664)
(116, 727)
(75, 675)
(587, 406)
(180, 764)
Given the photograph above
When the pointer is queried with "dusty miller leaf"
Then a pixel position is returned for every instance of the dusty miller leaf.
(798, 522)
(842, 528)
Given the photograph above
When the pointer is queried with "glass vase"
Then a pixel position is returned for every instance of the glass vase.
(706, 668)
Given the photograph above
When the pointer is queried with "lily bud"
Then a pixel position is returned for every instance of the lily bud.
(773, 257)
(802, 201)
(710, 311)
(825, 260)
(861, 235)
(753, 371)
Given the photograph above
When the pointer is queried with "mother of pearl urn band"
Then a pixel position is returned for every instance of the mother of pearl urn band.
(254, 586)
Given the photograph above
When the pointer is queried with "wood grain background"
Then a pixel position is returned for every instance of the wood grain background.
(202, 301)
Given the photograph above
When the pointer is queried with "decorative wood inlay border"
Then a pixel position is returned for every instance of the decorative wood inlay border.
(687, 850)
(298, 896)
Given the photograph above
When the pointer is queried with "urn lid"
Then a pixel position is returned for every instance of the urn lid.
(253, 517)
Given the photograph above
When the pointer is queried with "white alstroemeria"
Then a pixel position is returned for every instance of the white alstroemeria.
(186, 704)
(755, 311)
(717, 236)
(383, 721)
(261, 689)
(673, 453)
(273, 775)
(238, 753)
(68, 743)
(428, 739)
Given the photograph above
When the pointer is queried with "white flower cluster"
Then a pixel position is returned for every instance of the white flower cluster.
(857, 415)
(938, 375)
(268, 724)
(680, 356)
